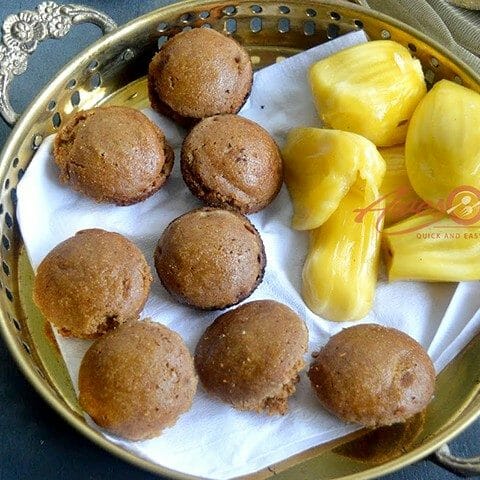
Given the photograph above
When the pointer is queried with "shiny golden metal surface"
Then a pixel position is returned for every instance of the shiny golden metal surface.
(112, 71)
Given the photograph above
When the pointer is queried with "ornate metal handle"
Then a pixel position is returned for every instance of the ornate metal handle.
(22, 33)
(468, 467)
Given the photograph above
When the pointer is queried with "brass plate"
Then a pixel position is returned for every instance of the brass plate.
(122, 58)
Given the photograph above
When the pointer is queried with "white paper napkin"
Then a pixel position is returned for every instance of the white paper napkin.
(213, 440)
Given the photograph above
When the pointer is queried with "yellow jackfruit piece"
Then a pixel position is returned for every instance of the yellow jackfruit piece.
(371, 89)
(442, 152)
(340, 272)
(401, 201)
(431, 246)
(320, 166)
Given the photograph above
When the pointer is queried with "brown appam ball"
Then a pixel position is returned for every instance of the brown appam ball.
(137, 380)
(373, 375)
(197, 74)
(231, 162)
(250, 357)
(210, 258)
(91, 283)
(113, 154)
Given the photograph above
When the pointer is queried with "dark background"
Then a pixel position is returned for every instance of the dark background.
(35, 443)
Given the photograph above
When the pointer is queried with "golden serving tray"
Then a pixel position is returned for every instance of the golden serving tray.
(112, 71)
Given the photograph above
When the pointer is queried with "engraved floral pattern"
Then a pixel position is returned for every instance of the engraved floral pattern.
(23, 31)
(48, 11)
(58, 22)
(12, 61)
